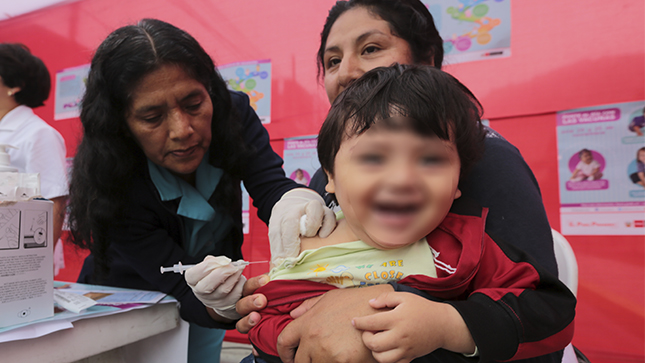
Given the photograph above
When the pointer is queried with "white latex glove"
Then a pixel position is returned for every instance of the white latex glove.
(217, 284)
(284, 225)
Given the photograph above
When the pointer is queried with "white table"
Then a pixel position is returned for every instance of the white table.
(152, 334)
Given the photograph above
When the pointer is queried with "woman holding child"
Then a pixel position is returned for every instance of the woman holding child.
(360, 35)
(394, 146)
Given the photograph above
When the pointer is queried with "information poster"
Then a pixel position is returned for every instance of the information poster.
(601, 167)
(472, 29)
(70, 87)
(301, 158)
(254, 79)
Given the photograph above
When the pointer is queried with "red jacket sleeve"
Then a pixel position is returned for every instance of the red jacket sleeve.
(512, 306)
(283, 296)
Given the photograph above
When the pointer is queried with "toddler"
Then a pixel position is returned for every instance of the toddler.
(587, 168)
(394, 146)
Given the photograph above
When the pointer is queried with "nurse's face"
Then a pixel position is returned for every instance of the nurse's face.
(170, 118)
(358, 42)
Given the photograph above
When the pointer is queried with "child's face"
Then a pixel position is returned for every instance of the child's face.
(641, 156)
(586, 157)
(394, 186)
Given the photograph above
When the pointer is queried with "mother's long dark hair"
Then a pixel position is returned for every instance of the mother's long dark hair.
(108, 157)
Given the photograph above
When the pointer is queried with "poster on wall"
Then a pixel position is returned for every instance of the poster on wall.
(601, 168)
(472, 29)
(254, 79)
(301, 158)
(70, 87)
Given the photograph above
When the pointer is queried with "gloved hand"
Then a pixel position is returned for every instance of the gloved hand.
(284, 225)
(217, 284)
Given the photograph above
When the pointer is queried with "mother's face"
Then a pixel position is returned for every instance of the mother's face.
(170, 117)
(358, 42)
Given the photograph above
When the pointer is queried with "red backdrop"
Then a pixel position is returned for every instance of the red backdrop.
(565, 54)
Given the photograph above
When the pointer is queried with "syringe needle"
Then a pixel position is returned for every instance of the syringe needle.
(179, 268)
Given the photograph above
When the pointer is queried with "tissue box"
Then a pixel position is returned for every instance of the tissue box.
(26, 262)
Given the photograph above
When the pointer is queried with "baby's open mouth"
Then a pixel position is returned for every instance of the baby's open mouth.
(396, 209)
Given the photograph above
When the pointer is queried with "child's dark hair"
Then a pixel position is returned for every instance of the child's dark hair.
(583, 151)
(430, 101)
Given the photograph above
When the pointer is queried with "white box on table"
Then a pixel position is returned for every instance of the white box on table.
(26, 262)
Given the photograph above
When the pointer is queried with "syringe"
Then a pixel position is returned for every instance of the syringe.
(178, 268)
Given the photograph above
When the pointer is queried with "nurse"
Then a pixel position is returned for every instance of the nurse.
(156, 177)
(360, 35)
(25, 84)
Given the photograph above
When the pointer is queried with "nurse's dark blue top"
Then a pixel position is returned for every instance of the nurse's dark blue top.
(151, 233)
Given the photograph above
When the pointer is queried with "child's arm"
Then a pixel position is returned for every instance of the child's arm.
(413, 328)
(513, 310)
(574, 174)
(324, 333)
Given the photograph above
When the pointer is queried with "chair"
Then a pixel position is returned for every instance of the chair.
(568, 274)
(566, 260)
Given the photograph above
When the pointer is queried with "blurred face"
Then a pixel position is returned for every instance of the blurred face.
(641, 156)
(358, 42)
(586, 157)
(170, 117)
(394, 186)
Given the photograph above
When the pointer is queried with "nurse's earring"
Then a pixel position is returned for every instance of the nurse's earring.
(13, 91)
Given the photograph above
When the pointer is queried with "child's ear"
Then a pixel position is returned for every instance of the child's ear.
(457, 193)
(330, 187)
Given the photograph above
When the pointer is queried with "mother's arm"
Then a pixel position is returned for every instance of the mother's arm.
(502, 182)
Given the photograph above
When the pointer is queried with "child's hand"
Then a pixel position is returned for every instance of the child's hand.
(413, 328)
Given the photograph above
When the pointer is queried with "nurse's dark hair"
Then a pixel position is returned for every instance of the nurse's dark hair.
(409, 20)
(20, 68)
(421, 98)
(108, 157)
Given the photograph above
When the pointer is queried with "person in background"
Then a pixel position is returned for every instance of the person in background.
(394, 146)
(156, 177)
(638, 177)
(637, 123)
(25, 84)
(300, 177)
(360, 35)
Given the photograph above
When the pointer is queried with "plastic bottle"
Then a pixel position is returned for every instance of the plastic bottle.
(5, 164)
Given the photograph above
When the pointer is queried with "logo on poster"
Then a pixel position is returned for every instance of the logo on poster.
(591, 224)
